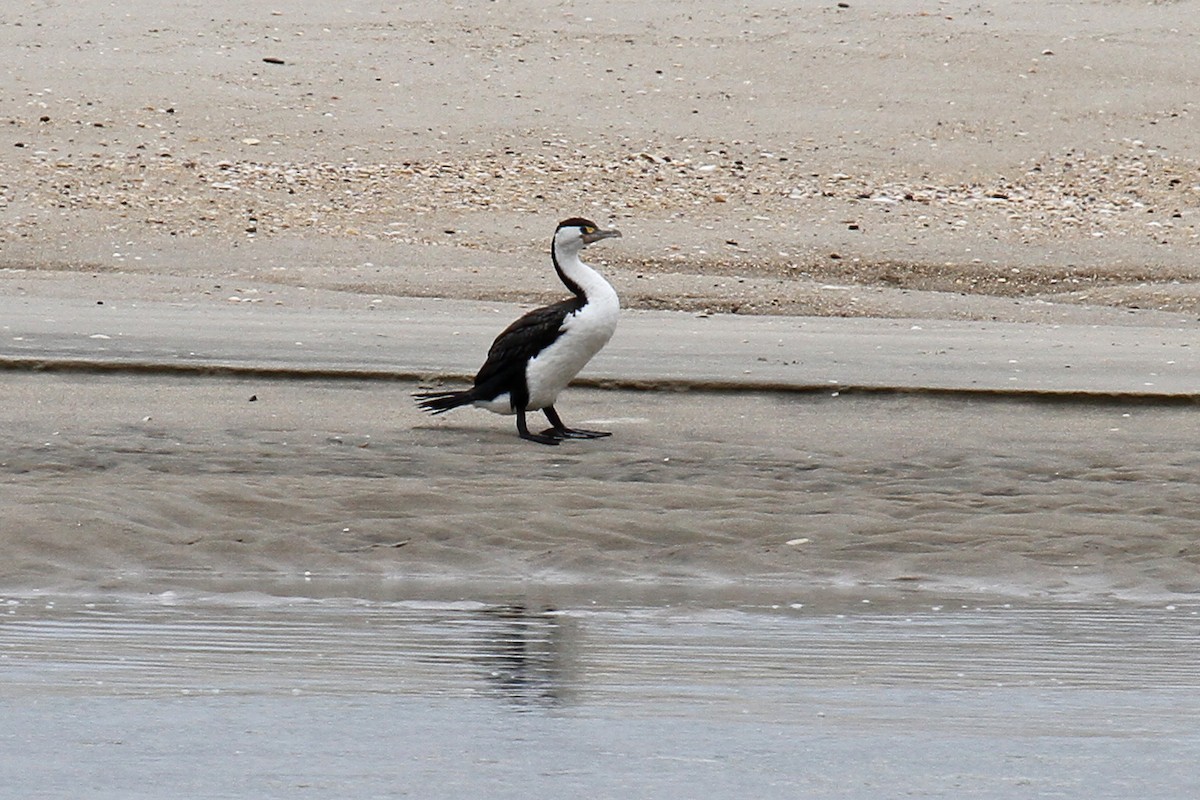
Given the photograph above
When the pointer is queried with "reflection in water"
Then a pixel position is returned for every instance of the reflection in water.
(526, 655)
(521, 654)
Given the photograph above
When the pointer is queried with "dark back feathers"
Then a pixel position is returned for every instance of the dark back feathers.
(504, 370)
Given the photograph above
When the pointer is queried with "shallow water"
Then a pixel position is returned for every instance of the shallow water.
(276, 698)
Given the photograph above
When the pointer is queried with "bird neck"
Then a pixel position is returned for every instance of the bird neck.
(584, 282)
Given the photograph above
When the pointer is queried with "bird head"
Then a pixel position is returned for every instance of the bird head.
(577, 233)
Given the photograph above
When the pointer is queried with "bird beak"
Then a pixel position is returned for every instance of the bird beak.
(595, 236)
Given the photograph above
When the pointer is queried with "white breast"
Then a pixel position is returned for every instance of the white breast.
(584, 333)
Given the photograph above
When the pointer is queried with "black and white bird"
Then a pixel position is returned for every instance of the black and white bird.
(537, 356)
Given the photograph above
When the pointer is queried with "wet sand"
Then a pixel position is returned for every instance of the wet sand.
(1152, 358)
(160, 446)
(143, 484)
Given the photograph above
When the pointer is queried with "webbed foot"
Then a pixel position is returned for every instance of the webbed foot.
(541, 438)
(575, 433)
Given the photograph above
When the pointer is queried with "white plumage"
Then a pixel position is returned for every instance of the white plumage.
(537, 356)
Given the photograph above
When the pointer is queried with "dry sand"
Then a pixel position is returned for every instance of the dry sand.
(754, 154)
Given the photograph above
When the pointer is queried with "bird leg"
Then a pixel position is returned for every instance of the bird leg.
(561, 431)
(523, 431)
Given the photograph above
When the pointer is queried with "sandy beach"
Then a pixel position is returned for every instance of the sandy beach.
(903, 399)
(759, 158)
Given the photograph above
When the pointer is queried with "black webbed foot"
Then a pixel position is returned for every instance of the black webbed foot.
(541, 438)
(563, 432)
(575, 433)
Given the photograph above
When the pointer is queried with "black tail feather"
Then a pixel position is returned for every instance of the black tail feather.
(441, 402)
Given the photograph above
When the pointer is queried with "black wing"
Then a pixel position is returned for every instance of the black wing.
(504, 370)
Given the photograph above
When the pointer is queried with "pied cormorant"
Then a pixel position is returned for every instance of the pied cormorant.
(537, 356)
